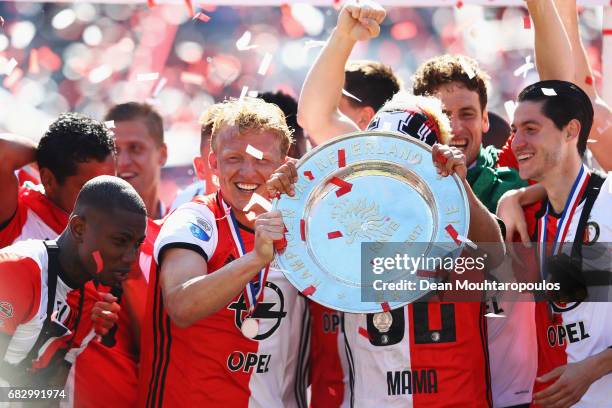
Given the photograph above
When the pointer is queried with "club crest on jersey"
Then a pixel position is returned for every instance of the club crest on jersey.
(6, 312)
(272, 308)
(591, 233)
(198, 232)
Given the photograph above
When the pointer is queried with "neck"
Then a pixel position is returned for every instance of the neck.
(151, 201)
(558, 183)
(73, 271)
(242, 219)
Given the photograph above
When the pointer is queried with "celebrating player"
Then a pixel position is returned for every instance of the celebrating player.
(38, 278)
(223, 324)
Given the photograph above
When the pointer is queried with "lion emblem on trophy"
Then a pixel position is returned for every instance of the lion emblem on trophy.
(361, 221)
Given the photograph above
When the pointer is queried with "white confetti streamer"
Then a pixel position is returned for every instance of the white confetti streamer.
(467, 68)
(491, 314)
(549, 92)
(10, 66)
(255, 152)
(510, 107)
(244, 91)
(467, 241)
(162, 82)
(257, 199)
(265, 64)
(314, 44)
(110, 124)
(151, 76)
(243, 42)
(525, 68)
(350, 95)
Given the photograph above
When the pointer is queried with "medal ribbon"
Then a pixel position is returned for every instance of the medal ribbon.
(576, 193)
(254, 290)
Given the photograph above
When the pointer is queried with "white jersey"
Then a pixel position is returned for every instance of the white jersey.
(580, 330)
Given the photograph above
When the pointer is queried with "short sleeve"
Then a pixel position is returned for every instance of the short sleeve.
(192, 226)
(19, 291)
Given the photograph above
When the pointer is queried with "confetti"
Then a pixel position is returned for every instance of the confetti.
(110, 124)
(459, 4)
(350, 95)
(314, 44)
(592, 141)
(244, 91)
(191, 78)
(453, 233)
(33, 67)
(493, 315)
(202, 17)
(308, 175)
(467, 241)
(257, 199)
(526, 23)
(162, 82)
(588, 80)
(9, 67)
(344, 186)
(549, 92)
(525, 68)
(303, 230)
(364, 333)
(309, 290)
(98, 260)
(251, 216)
(341, 158)
(265, 64)
(255, 152)
(467, 68)
(150, 3)
(243, 42)
(334, 235)
(152, 76)
(385, 307)
(510, 107)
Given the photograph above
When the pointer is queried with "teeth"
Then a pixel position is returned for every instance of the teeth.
(525, 156)
(127, 175)
(245, 186)
(459, 143)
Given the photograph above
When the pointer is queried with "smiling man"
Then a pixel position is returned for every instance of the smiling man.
(40, 279)
(223, 324)
(141, 151)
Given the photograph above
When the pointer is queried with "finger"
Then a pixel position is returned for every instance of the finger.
(552, 374)
(522, 230)
(268, 222)
(270, 215)
(107, 297)
(552, 392)
(372, 26)
(105, 306)
(272, 236)
(353, 11)
(292, 170)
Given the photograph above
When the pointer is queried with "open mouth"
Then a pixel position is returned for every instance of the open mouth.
(246, 187)
(127, 175)
(459, 143)
(524, 157)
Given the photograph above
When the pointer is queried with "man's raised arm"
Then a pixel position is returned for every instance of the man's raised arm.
(318, 111)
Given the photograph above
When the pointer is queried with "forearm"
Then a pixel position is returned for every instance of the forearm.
(203, 295)
(569, 17)
(320, 97)
(552, 45)
(601, 364)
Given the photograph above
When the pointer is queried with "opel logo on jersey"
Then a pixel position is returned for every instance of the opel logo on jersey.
(263, 311)
(591, 233)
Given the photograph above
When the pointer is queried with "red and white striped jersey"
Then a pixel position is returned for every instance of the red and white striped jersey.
(211, 363)
(23, 300)
(569, 333)
(426, 355)
(36, 218)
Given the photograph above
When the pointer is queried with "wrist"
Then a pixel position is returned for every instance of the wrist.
(599, 364)
(342, 39)
(255, 261)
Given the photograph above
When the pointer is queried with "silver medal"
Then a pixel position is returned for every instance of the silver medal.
(382, 321)
(250, 328)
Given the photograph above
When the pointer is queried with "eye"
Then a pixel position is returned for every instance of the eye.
(135, 148)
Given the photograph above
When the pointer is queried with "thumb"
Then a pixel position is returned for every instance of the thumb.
(107, 297)
(551, 375)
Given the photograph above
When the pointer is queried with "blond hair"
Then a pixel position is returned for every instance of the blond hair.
(250, 114)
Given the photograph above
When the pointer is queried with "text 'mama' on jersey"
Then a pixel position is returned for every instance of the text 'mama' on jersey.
(432, 355)
(23, 300)
(568, 333)
(211, 363)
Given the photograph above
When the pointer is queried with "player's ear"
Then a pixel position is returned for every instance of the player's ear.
(201, 167)
(77, 225)
(48, 180)
(212, 162)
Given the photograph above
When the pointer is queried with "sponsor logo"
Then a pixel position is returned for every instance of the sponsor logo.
(6, 311)
(412, 382)
(273, 308)
(331, 322)
(248, 362)
(198, 232)
(559, 334)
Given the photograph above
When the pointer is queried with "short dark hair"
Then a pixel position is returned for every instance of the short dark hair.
(289, 106)
(444, 69)
(108, 193)
(567, 102)
(73, 138)
(135, 110)
(372, 82)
